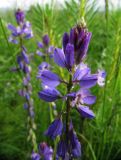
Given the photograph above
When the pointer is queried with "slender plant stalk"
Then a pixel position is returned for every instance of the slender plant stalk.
(82, 8)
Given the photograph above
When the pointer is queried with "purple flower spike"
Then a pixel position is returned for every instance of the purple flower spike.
(55, 129)
(85, 112)
(49, 94)
(65, 40)
(20, 16)
(46, 40)
(59, 57)
(50, 79)
(45, 151)
(69, 54)
(80, 38)
(62, 149)
(35, 156)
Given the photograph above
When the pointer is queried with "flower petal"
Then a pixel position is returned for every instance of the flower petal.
(55, 129)
(59, 57)
(88, 81)
(49, 95)
(82, 51)
(80, 72)
(65, 40)
(69, 54)
(40, 44)
(11, 27)
(85, 112)
(49, 78)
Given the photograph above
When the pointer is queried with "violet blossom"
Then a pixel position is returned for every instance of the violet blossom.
(71, 57)
(44, 152)
(24, 31)
(44, 48)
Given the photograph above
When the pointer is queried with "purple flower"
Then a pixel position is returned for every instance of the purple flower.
(84, 96)
(69, 56)
(62, 149)
(55, 129)
(85, 112)
(81, 71)
(65, 40)
(25, 31)
(65, 59)
(51, 49)
(40, 45)
(45, 151)
(39, 53)
(43, 66)
(48, 78)
(101, 78)
(25, 106)
(49, 94)
(46, 40)
(91, 80)
(88, 81)
(35, 156)
(20, 16)
(26, 80)
(59, 57)
(80, 38)
(25, 57)
(75, 145)
(22, 92)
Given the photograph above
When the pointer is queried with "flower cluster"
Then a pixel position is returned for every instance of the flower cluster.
(45, 152)
(71, 57)
(44, 47)
(23, 30)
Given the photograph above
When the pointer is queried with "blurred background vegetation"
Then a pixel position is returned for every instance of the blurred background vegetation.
(101, 139)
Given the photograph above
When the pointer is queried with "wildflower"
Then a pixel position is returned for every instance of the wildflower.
(43, 66)
(55, 129)
(46, 40)
(80, 38)
(62, 149)
(85, 112)
(35, 156)
(75, 145)
(70, 57)
(49, 94)
(20, 16)
(45, 151)
(24, 31)
(44, 48)
(49, 78)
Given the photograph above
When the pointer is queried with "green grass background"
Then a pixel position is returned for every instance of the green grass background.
(101, 138)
